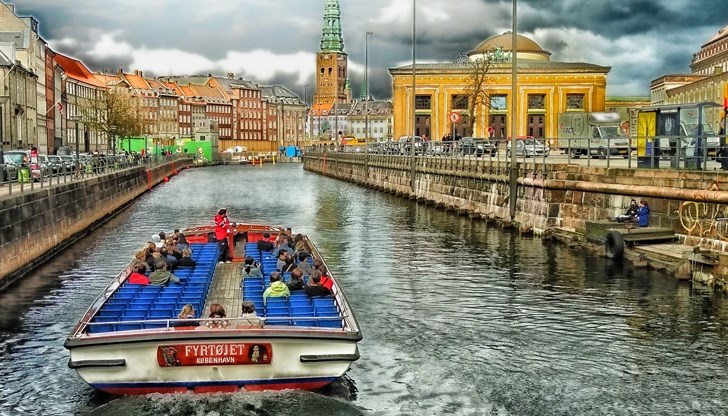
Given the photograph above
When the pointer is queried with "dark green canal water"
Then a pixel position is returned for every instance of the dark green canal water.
(458, 317)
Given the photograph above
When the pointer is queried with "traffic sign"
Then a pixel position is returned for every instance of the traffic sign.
(455, 117)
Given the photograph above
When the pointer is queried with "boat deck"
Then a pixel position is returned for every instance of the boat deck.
(225, 290)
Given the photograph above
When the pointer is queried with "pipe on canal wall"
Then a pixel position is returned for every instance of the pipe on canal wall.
(35, 225)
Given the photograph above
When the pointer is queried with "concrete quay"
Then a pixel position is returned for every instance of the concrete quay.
(67, 211)
(558, 200)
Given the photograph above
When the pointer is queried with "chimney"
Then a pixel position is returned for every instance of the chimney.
(139, 73)
(120, 72)
(230, 75)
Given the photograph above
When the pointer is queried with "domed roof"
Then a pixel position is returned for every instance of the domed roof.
(504, 42)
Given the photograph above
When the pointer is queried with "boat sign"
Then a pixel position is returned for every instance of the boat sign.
(213, 354)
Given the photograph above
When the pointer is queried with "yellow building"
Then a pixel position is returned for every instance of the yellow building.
(545, 89)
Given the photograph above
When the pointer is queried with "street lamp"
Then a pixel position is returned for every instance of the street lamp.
(3, 99)
(366, 85)
(305, 111)
(77, 118)
(113, 140)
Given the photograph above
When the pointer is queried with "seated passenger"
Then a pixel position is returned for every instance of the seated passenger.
(305, 267)
(264, 244)
(186, 260)
(281, 261)
(276, 289)
(187, 313)
(325, 280)
(168, 258)
(251, 268)
(160, 276)
(138, 277)
(172, 250)
(289, 265)
(296, 282)
(217, 312)
(314, 287)
(249, 317)
(182, 242)
(283, 246)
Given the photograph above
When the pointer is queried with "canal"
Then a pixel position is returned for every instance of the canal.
(458, 317)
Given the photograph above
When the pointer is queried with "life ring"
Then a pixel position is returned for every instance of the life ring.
(614, 245)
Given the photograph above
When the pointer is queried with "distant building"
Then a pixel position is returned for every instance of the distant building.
(287, 113)
(371, 119)
(707, 82)
(545, 89)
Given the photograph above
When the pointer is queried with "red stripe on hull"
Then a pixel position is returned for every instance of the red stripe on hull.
(223, 388)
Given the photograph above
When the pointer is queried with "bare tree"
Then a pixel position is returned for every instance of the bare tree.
(477, 87)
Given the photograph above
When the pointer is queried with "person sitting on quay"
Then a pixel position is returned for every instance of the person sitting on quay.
(251, 268)
(138, 276)
(314, 287)
(296, 282)
(629, 214)
(160, 276)
(276, 289)
(249, 317)
(186, 260)
(643, 216)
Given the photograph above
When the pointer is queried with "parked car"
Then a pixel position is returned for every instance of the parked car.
(529, 147)
(405, 145)
(9, 169)
(476, 146)
(22, 157)
(45, 165)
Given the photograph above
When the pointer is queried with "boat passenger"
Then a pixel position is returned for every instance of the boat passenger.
(305, 267)
(182, 242)
(152, 258)
(283, 246)
(296, 282)
(217, 312)
(138, 276)
(173, 251)
(249, 317)
(276, 289)
(158, 242)
(281, 263)
(175, 235)
(289, 263)
(160, 276)
(325, 280)
(222, 225)
(251, 268)
(265, 243)
(186, 317)
(171, 260)
(314, 287)
(186, 260)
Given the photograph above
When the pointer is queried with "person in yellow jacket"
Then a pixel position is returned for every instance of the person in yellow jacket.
(276, 289)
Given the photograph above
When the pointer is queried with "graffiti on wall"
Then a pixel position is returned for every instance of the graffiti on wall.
(701, 219)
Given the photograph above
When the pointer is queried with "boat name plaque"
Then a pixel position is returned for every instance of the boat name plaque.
(213, 354)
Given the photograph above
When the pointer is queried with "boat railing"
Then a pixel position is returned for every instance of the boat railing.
(217, 322)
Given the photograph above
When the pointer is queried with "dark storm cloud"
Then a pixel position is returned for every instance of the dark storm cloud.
(639, 39)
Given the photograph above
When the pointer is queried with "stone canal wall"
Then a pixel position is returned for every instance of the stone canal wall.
(550, 196)
(36, 224)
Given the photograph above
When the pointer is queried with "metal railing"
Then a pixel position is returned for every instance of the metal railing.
(25, 178)
(665, 152)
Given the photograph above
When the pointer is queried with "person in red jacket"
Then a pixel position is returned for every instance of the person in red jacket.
(138, 277)
(222, 227)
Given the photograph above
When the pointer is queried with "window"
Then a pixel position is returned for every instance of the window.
(497, 102)
(460, 102)
(423, 102)
(574, 101)
(536, 102)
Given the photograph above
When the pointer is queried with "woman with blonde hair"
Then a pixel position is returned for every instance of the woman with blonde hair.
(188, 312)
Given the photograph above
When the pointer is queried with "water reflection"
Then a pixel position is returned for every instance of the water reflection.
(459, 317)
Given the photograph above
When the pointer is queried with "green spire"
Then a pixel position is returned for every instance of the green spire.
(363, 94)
(331, 39)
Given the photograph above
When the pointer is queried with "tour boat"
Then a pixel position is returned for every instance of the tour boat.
(130, 341)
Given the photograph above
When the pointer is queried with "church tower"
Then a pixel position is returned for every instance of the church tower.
(331, 60)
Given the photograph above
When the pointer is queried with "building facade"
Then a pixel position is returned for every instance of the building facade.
(707, 82)
(545, 89)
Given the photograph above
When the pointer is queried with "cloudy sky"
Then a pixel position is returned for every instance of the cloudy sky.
(275, 41)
